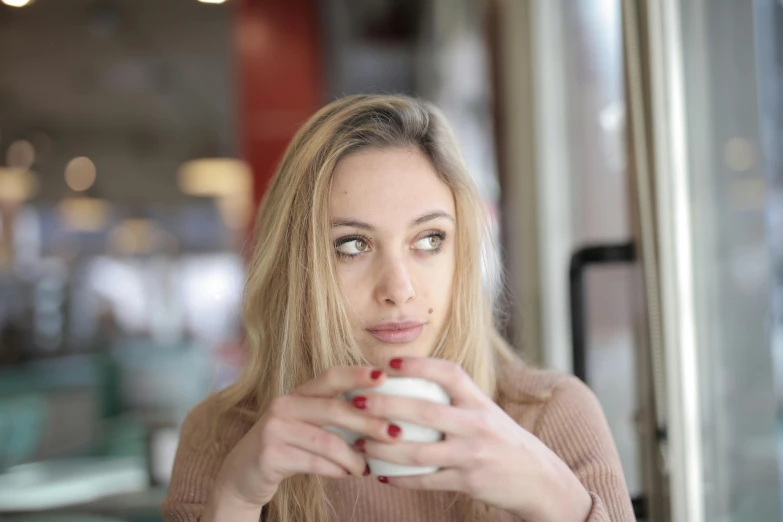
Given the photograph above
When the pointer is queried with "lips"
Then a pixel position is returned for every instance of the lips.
(397, 333)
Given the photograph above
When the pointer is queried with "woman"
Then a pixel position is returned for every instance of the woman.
(373, 259)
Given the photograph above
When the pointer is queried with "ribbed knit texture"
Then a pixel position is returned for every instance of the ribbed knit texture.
(558, 409)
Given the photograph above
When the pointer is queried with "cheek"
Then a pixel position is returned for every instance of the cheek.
(445, 290)
(439, 284)
(353, 288)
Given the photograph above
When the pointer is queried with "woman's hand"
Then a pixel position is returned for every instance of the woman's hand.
(290, 439)
(485, 454)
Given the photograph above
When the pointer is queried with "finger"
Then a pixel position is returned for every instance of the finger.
(441, 417)
(331, 412)
(445, 454)
(322, 443)
(449, 375)
(298, 460)
(443, 480)
(340, 379)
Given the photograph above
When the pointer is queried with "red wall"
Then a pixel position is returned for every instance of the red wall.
(279, 79)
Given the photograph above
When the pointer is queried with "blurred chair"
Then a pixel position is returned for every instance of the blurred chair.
(21, 428)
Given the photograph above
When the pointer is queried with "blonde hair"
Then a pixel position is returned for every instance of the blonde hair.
(295, 319)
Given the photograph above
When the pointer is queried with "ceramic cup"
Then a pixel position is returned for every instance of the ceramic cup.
(402, 387)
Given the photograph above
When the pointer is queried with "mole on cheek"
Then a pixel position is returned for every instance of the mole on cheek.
(430, 310)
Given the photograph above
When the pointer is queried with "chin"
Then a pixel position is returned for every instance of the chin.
(379, 354)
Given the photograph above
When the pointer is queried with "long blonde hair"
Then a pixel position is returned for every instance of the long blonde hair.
(294, 317)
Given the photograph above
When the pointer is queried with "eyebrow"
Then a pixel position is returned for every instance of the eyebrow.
(355, 223)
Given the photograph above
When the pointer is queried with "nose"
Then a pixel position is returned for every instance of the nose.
(395, 286)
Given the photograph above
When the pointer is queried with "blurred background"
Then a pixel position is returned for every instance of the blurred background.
(628, 153)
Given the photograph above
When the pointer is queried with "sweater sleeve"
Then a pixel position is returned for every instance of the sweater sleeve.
(197, 462)
(573, 425)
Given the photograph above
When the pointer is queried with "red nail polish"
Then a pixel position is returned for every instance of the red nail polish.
(394, 430)
(359, 445)
(359, 402)
(385, 480)
(376, 374)
(367, 470)
(396, 363)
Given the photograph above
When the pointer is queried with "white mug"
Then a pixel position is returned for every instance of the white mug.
(401, 387)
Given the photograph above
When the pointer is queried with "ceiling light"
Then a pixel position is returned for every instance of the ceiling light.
(80, 173)
(235, 210)
(133, 236)
(212, 1)
(16, 3)
(81, 214)
(20, 155)
(17, 185)
(214, 177)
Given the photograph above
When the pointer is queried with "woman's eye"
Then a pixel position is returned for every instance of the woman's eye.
(432, 242)
(352, 247)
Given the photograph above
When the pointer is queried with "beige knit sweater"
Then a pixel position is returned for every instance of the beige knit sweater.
(558, 409)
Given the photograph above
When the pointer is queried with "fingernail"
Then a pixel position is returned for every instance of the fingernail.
(376, 374)
(396, 363)
(367, 470)
(394, 430)
(385, 480)
(359, 402)
(359, 445)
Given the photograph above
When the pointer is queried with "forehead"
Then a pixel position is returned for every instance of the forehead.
(386, 186)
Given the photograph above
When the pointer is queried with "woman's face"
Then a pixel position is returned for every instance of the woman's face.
(393, 228)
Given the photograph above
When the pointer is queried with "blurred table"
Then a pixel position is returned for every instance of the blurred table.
(55, 484)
